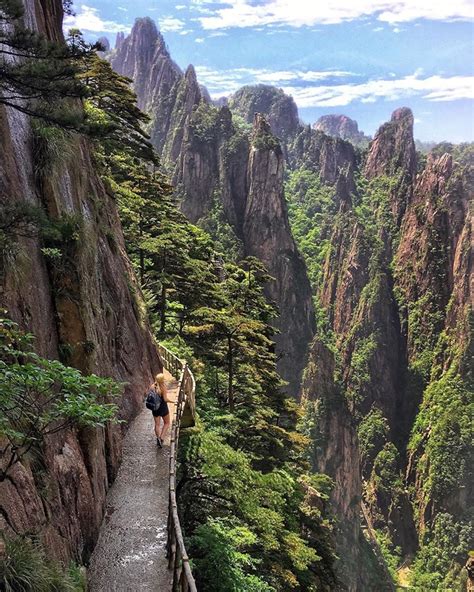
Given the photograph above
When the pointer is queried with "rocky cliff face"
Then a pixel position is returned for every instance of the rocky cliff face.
(143, 57)
(267, 235)
(395, 288)
(87, 313)
(341, 126)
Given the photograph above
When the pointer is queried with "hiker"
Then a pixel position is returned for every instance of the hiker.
(162, 412)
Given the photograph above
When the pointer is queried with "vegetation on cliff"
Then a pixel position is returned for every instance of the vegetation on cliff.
(353, 246)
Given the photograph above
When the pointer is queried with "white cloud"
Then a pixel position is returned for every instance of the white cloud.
(298, 13)
(199, 40)
(227, 81)
(88, 19)
(433, 88)
(171, 24)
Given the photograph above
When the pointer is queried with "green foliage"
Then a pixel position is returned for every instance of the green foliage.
(360, 375)
(43, 82)
(391, 555)
(373, 433)
(310, 210)
(174, 259)
(266, 142)
(18, 220)
(24, 567)
(444, 551)
(425, 320)
(40, 397)
(442, 438)
(112, 116)
(51, 146)
(61, 238)
(220, 548)
(386, 474)
(265, 509)
(226, 242)
(463, 153)
(207, 122)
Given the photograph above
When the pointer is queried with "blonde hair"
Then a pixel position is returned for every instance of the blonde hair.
(159, 379)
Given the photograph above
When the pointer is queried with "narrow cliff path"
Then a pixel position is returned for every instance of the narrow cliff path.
(130, 553)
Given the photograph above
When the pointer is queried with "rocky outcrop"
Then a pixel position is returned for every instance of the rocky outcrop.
(434, 272)
(104, 43)
(392, 153)
(341, 126)
(279, 109)
(87, 313)
(267, 235)
(144, 57)
(329, 157)
(393, 147)
(336, 453)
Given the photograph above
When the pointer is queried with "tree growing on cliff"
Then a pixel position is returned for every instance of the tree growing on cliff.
(40, 397)
(38, 76)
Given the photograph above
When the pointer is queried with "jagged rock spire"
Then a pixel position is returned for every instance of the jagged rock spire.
(393, 147)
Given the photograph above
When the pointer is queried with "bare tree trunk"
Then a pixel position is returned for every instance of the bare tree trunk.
(230, 365)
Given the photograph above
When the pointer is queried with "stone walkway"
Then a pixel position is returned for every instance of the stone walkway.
(130, 553)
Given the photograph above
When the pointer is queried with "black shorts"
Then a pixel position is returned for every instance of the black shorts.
(162, 411)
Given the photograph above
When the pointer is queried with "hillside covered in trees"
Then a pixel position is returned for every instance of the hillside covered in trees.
(320, 291)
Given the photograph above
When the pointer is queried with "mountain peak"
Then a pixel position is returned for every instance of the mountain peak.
(393, 147)
(341, 126)
(144, 57)
(279, 108)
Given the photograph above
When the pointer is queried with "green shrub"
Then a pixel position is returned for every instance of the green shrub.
(52, 146)
(373, 433)
(442, 437)
(444, 550)
(24, 567)
(39, 397)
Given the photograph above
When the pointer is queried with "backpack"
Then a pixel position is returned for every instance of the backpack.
(153, 400)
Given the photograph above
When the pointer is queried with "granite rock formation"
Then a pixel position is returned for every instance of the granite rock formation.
(91, 312)
(341, 126)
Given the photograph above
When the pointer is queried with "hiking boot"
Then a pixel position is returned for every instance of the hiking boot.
(159, 443)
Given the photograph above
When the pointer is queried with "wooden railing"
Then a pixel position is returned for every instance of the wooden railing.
(178, 561)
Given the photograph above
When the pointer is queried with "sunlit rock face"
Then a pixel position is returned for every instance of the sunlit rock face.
(341, 126)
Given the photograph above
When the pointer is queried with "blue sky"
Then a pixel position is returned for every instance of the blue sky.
(363, 58)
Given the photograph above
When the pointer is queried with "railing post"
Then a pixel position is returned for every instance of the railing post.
(178, 562)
